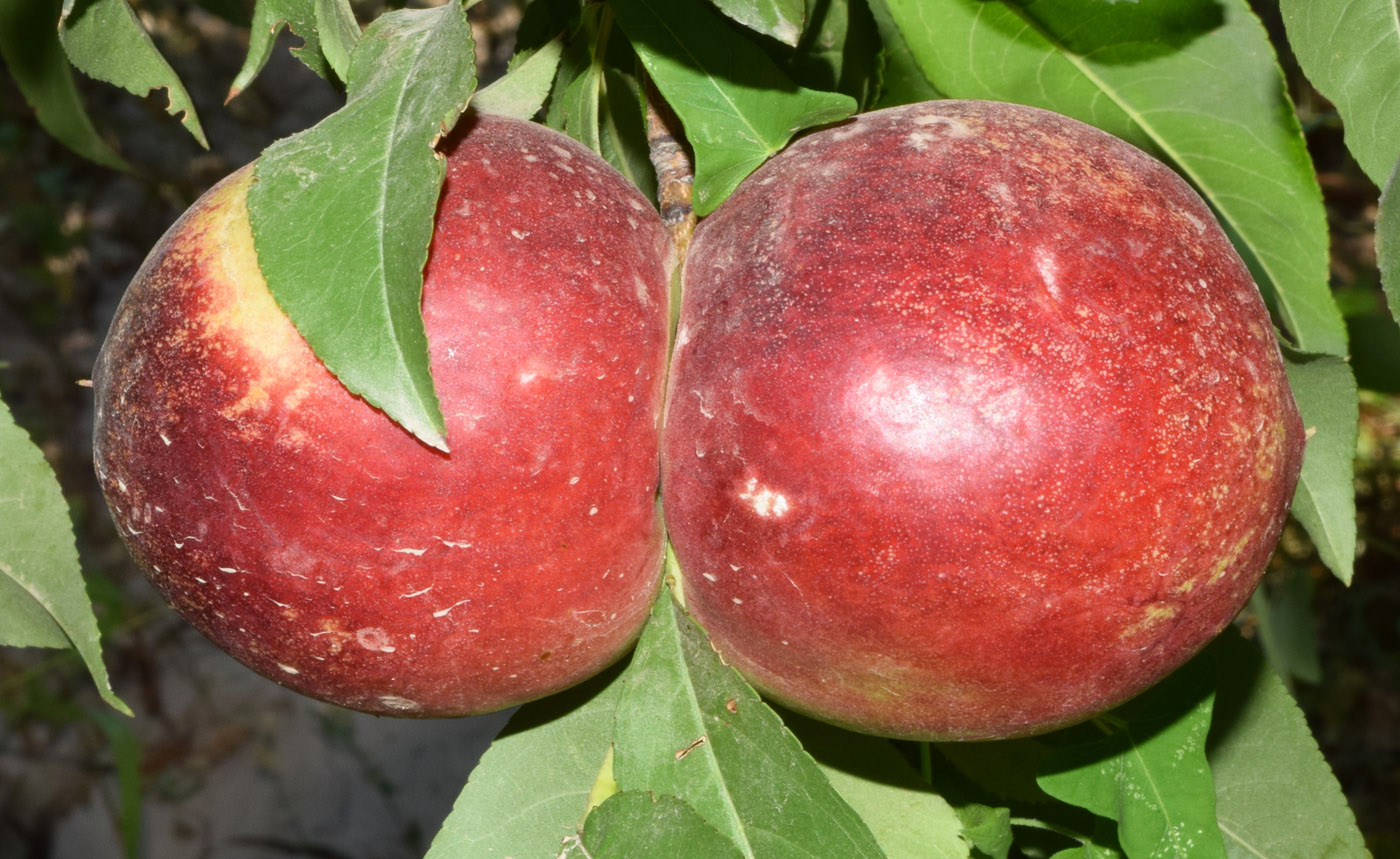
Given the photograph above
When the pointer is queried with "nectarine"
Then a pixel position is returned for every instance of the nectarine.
(325, 547)
(977, 424)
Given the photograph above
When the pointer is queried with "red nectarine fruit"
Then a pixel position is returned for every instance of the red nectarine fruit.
(977, 424)
(324, 546)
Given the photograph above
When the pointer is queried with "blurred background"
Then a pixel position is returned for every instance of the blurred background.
(220, 763)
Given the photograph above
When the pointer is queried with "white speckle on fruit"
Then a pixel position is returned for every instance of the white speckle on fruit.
(1049, 270)
(442, 612)
(737, 601)
(528, 377)
(764, 501)
(520, 234)
(592, 511)
(711, 577)
(398, 702)
(455, 544)
(338, 497)
(374, 638)
(561, 152)
(573, 480)
(228, 569)
(949, 126)
(287, 668)
(407, 551)
(164, 438)
(417, 593)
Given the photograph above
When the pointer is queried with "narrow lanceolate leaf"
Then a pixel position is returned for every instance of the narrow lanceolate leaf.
(573, 107)
(104, 40)
(269, 17)
(639, 825)
(342, 213)
(30, 48)
(1325, 501)
(521, 91)
(736, 106)
(530, 790)
(1193, 81)
(1275, 796)
(780, 19)
(1388, 240)
(908, 820)
(688, 725)
(338, 31)
(1350, 51)
(43, 602)
(1148, 769)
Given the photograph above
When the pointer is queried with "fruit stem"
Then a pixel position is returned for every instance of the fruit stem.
(675, 173)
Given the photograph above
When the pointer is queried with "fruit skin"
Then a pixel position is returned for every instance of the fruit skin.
(325, 547)
(977, 424)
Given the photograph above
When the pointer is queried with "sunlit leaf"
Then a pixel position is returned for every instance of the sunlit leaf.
(1325, 501)
(104, 40)
(342, 213)
(689, 726)
(338, 31)
(1350, 51)
(639, 825)
(43, 601)
(530, 790)
(524, 87)
(1147, 769)
(780, 19)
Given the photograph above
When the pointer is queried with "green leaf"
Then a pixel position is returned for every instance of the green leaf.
(342, 213)
(521, 92)
(839, 51)
(987, 829)
(902, 80)
(637, 825)
(104, 40)
(689, 726)
(269, 17)
(338, 31)
(1350, 51)
(622, 129)
(908, 820)
(778, 19)
(1285, 624)
(1388, 240)
(30, 48)
(530, 789)
(1325, 500)
(43, 602)
(1148, 769)
(1275, 796)
(737, 107)
(573, 108)
(1194, 81)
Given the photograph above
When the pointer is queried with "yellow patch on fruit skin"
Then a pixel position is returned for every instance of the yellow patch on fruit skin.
(1153, 617)
(242, 314)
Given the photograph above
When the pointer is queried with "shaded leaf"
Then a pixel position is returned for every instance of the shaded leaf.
(31, 50)
(1285, 626)
(43, 601)
(987, 828)
(1275, 796)
(1147, 769)
(530, 790)
(737, 107)
(269, 17)
(637, 825)
(839, 50)
(689, 726)
(902, 80)
(908, 820)
(1193, 81)
(1350, 51)
(104, 40)
(779, 19)
(1325, 500)
(342, 213)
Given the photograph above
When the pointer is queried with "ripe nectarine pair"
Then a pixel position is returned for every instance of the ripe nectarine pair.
(974, 426)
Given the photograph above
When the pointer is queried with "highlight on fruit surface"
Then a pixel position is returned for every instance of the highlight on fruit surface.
(328, 549)
(977, 425)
